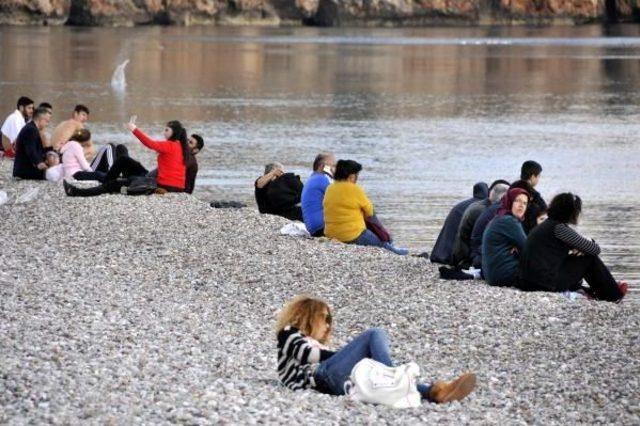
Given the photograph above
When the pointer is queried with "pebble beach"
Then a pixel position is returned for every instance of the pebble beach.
(160, 309)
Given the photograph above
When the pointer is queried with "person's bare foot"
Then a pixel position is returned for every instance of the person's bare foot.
(456, 390)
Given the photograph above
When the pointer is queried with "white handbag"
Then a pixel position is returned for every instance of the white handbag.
(374, 382)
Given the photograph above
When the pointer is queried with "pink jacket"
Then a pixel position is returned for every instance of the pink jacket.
(73, 159)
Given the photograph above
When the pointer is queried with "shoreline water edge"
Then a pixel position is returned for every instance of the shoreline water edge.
(329, 13)
(160, 309)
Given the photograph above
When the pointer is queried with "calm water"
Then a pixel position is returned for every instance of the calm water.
(427, 111)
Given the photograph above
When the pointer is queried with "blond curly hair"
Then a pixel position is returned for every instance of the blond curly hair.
(302, 312)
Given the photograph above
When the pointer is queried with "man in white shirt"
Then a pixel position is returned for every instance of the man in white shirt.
(14, 123)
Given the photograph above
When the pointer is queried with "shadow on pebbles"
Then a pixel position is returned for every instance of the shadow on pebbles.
(160, 309)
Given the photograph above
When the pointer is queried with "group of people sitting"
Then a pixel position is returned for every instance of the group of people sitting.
(505, 233)
(508, 235)
(70, 154)
(330, 204)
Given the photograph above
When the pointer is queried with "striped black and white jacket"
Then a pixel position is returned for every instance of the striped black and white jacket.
(298, 356)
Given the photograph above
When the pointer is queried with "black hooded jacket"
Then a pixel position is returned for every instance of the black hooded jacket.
(443, 249)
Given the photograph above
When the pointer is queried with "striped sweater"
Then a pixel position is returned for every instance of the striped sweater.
(547, 248)
(564, 233)
(298, 356)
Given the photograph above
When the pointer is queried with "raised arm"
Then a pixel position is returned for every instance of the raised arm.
(576, 241)
(150, 143)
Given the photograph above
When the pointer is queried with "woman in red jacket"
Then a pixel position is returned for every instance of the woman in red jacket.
(173, 156)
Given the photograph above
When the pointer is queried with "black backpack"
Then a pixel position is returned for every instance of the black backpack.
(142, 185)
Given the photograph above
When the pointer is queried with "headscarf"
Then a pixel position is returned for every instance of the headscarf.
(506, 202)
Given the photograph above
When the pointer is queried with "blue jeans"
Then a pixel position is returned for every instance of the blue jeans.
(368, 238)
(333, 372)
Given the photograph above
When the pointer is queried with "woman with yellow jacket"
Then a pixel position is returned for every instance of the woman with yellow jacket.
(347, 208)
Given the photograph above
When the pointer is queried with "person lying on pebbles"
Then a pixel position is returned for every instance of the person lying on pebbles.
(348, 213)
(304, 327)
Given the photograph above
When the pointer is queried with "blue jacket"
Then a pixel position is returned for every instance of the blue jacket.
(311, 202)
(499, 264)
(478, 230)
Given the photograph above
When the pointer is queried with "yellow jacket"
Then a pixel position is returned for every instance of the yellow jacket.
(345, 206)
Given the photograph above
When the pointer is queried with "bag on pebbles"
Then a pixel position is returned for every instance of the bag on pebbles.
(374, 382)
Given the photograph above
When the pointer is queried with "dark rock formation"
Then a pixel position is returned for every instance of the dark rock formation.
(33, 12)
(316, 12)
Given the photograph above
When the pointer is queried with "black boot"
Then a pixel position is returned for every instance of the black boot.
(73, 191)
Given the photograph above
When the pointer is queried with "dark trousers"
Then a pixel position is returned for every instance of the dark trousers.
(82, 175)
(127, 167)
(601, 283)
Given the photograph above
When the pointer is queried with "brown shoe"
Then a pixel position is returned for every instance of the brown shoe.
(160, 191)
(442, 391)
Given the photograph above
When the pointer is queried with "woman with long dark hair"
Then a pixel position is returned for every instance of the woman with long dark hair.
(173, 154)
(173, 157)
(557, 258)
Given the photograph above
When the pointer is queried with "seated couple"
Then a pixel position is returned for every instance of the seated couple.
(303, 330)
(283, 194)
(339, 210)
(177, 166)
(553, 257)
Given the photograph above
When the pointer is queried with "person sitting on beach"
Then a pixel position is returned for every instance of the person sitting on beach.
(46, 140)
(462, 245)
(55, 171)
(278, 192)
(504, 239)
(14, 123)
(63, 131)
(196, 143)
(171, 172)
(557, 258)
(313, 193)
(29, 153)
(481, 224)
(443, 249)
(348, 213)
(303, 329)
(529, 178)
(73, 161)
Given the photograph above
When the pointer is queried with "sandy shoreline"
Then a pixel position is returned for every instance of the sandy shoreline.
(159, 309)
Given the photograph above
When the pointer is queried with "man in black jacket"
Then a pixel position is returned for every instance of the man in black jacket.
(279, 193)
(529, 178)
(29, 162)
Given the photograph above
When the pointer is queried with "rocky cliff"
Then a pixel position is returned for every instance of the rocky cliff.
(315, 12)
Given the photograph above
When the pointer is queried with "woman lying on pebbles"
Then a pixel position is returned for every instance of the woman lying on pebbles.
(303, 329)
